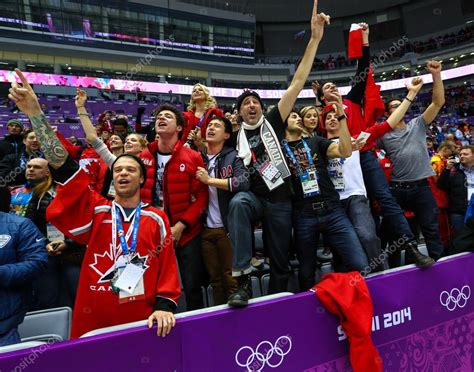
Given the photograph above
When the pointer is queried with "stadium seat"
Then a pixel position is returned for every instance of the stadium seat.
(265, 281)
(256, 289)
(46, 325)
(325, 269)
(20, 346)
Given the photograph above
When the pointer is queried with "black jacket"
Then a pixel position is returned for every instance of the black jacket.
(232, 168)
(12, 143)
(36, 212)
(454, 182)
(13, 167)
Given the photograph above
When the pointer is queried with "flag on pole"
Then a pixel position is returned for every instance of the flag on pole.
(354, 47)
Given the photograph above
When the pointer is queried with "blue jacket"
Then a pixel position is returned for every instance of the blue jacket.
(23, 258)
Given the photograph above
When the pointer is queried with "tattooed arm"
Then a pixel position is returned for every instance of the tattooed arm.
(27, 101)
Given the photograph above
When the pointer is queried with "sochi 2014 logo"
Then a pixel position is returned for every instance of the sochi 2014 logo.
(265, 354)
(455, 298)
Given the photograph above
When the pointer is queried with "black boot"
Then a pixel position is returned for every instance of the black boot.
(240, 298)
(413, 255)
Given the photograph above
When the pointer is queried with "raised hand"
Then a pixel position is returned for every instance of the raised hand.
(433, 67)
(317, 22)
(315, 87)
(81, 98)
(415, 85)
(24, 96)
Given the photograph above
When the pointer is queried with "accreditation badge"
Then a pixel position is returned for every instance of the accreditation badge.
(309, 182)
(271, 175)
(53, 234)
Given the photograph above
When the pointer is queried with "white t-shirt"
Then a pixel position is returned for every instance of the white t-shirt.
(214, 218)
(161, 161)
(352, 174)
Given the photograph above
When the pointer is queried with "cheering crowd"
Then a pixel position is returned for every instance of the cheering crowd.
(109, 224)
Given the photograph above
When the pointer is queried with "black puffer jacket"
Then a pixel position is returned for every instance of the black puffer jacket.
(454, 182)
(36, 212)
(12, 143)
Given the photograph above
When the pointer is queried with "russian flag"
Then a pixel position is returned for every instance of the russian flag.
(300, 35)
(354, 47)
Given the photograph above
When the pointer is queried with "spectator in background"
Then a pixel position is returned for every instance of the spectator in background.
(37, 171)
(120, 126)
(75, 141)
(438, 162)
(22, 259)
(457, 180)
(13, 141)
(406, 148)
(201, 108)
(430, 146)
(310, 117)
(224, 175)
(149, 130)
(12, 167)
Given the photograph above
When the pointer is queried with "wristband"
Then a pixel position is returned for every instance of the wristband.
(408, 99)
(342, 117)
(82, 114)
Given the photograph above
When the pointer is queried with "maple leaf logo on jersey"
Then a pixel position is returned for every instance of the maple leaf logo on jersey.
(104, 264)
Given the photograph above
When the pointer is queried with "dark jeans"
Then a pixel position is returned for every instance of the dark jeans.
(245, 209)
(419, 199)
(358, 210)
(57, 286)
(191, 271)
(377, 188)
(457, 221)
(10, 338)
(340, 234)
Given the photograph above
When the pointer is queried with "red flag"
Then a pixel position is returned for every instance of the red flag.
(354, 47)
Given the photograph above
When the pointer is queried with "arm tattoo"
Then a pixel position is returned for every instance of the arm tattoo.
(51, 146)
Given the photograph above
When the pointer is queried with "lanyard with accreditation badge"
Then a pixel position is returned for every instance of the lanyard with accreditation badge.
(308, 177)
(128, 274)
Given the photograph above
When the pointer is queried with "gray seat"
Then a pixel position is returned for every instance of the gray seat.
(46, 325)
(20, 346)
(265, 281)
(256, 289)
(325, 269)
(258, 240)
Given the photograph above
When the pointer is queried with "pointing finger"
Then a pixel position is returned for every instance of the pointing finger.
(23, 79)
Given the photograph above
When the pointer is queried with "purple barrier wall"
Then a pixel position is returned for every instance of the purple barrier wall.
(423, 321)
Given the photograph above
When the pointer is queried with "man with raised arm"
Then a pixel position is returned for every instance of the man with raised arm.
(129, 269)
(269, 198)
(406, 148)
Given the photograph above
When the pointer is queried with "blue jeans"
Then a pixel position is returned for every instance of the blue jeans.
(10, 338)
(420, 200)
(245, 209)
(358, 210)
(377, 188)
(457, 221)
(191, 269)
(340, 234)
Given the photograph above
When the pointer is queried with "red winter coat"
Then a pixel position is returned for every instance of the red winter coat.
(185, 198)
(192, 121)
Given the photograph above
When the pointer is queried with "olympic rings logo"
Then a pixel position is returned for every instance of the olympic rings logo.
(455, 298)
(265, 354)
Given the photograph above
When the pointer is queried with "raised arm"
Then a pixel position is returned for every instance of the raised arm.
(358, 83)
(344, 148)
(413, 89)
(89, 130)
(27, 101)
(286, 103)
(437, 101)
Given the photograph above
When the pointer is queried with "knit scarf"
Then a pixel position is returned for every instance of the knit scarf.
(270, 141)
